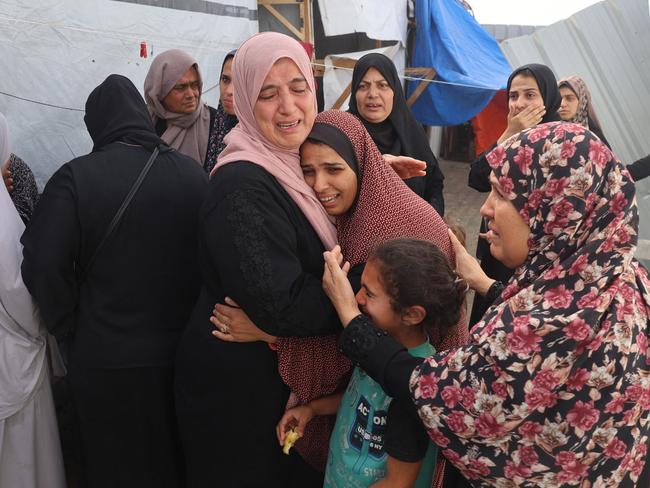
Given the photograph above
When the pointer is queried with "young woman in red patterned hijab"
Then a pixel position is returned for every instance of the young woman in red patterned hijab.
(555, 389)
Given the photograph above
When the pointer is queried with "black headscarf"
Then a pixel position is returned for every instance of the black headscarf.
(400, 134)
(547, 85)
(115, 111)
(221, 125)
(337, 140)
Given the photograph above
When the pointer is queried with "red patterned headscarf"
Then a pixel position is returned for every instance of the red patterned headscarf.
(556, 390)
(385, 209)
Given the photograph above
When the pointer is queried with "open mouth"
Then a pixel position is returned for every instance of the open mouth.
(288, 125)
(328, 199)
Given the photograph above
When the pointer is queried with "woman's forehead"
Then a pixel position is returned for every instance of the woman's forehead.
(524, 82)
(373, 74)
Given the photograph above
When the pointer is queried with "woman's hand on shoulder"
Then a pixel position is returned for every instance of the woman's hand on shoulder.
(234, 325)
(406, 167)
(337, 286)
(468, 268)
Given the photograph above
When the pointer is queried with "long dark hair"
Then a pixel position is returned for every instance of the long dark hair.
(415, 272)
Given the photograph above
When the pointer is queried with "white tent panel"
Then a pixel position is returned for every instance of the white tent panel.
(57, 51)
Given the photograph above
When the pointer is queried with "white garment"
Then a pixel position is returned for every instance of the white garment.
(30, 451)
(380, 19)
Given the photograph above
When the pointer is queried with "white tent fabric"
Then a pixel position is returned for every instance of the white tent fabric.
(57, 51)
(335, 80)
(384, 20)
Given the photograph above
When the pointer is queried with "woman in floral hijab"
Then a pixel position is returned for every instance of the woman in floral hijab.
(555, 389)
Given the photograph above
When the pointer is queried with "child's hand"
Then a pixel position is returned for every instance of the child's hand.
(295, 418)
(337, 287)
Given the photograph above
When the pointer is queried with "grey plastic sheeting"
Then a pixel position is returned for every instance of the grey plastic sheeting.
(57, 51)
(608, 45)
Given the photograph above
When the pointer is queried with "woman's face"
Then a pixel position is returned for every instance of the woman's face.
(330, 176)
(508, 232)
(523, 93)
(569, 105)
(374, 97)
(225, 87)
(185, 95)
(285, 108)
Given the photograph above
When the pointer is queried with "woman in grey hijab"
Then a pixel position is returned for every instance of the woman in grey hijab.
(30, 452)
(172, 90)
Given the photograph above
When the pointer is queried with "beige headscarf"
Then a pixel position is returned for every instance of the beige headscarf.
(245, 142)
(586, 115)
(188, 133)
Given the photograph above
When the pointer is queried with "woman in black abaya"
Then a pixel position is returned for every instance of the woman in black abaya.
(128, 308)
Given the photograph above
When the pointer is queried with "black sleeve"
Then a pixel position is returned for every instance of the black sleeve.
(354, 276)
(479, 173)
(434, 184)
(640, 169)
(254, 246)
(25, 194)
(50, 252)
(381, 356)
(406, 437)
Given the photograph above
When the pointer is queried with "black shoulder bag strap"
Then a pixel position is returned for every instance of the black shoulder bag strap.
(120, 211)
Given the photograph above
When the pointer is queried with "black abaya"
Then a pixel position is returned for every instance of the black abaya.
(256, 246)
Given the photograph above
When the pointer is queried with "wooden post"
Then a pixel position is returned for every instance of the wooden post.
(429, 74)
(303, 33)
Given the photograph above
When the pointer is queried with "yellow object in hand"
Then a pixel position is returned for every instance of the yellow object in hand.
(289, 440)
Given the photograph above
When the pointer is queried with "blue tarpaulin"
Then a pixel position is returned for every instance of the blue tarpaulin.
(452, 42)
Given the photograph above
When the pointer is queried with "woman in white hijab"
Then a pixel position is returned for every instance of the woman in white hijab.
(30, 452)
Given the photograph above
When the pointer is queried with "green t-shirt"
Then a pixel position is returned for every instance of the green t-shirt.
(357, 457)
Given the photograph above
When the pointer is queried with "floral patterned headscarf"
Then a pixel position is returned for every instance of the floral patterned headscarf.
(556, 389)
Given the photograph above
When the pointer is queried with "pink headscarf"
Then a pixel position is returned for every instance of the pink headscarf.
(188, 133)
(245, 142)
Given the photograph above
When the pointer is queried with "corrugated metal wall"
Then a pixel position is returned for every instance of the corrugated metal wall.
(608, 45)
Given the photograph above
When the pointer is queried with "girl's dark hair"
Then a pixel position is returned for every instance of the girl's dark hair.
(415, 272)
